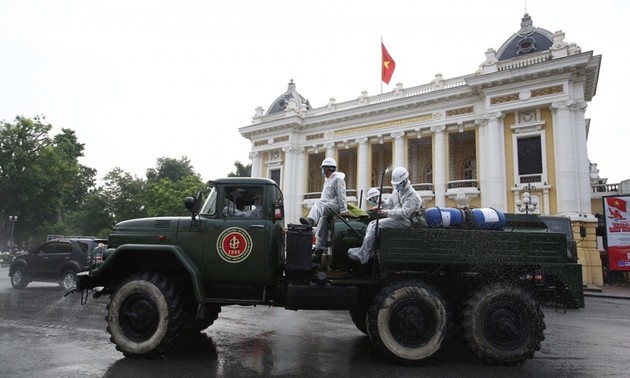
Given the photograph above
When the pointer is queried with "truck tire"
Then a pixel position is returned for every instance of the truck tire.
(19, 278)
(359, 318)
(408, 322)
(502, 325)
(68, 280)
(144, 315)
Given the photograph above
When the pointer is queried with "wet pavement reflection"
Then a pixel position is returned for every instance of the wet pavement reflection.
(45, 334)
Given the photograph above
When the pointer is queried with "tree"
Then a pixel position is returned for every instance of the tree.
(241, 170)
(172, 169)
(40, 178)
(165, 197)
(124, 195)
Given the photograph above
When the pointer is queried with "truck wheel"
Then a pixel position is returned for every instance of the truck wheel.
(359, 318)
(19, 278)
(407, 322)
(144, 315)
(68, 280)
(502, 325)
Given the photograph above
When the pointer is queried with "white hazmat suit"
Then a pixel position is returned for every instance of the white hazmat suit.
(333, 198)
(398, 209)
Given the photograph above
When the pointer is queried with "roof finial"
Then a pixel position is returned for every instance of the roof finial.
(525, 6)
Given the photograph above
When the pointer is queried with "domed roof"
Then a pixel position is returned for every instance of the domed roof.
(528, 40)
(282, 102)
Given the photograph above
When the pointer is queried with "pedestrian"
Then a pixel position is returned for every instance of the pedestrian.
(396, 212)
(332, 200)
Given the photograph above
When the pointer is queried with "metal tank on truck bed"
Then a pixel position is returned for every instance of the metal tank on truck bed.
(483, 278)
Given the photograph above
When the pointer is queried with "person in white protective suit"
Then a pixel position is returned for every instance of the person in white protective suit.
(372, 197)
(333, 198)
(396, 210)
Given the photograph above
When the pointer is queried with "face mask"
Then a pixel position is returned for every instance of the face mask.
(400, 187)
(323, 172)
(372, 201)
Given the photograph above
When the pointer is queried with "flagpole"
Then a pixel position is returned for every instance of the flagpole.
(381, 49)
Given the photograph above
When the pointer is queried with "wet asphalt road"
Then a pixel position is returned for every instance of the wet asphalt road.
(44, 334)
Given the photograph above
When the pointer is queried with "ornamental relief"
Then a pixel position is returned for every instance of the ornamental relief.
(460, 111)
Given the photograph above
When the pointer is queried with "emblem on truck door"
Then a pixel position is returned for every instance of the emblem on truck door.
(234, 245)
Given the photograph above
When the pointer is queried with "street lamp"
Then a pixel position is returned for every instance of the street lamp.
(12, 219)
(528, 203)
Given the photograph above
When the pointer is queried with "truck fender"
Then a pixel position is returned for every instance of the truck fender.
(117, 257)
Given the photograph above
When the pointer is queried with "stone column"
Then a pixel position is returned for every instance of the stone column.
(399, 150)
(482, 172)
(496, 162)
(439, 165)
(290, 173)
(300, 182)
(583, 167)
(255, 158)
(566, 168)
(363, 169)
(330, 150)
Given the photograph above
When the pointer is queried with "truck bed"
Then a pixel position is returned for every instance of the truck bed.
(427, 245)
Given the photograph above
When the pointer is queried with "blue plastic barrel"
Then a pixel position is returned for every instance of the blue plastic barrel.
(488, 218)
(444, 217)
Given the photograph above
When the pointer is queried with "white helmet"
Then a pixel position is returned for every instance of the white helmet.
(329, 162)
(399, 175)
(372, 193)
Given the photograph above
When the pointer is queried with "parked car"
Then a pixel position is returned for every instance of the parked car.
(56, 260)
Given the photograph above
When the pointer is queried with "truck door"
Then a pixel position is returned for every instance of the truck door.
(236, 240)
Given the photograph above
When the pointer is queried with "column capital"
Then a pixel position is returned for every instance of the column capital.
(292, 149)
(492, 116)
(562, 105)
(254, 154)
(397, 135)
(362, 140)
(329, 146)
(438, 129)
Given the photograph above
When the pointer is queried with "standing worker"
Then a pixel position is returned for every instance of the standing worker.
(396, 210)
(333, 199)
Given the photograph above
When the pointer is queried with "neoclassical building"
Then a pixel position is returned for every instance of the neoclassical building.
(517, 125)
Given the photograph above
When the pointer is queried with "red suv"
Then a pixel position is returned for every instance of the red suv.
(54, 261)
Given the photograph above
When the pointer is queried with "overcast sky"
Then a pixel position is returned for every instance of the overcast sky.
(142, 79)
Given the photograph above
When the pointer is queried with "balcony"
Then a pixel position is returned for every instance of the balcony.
(462, 191)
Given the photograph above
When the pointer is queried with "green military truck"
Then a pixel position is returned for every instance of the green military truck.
(169, 275)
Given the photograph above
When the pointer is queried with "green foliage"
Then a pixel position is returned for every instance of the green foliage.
(165, 197)
(171, 169)
(241, 170)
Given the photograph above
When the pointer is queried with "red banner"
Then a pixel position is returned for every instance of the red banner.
(617, 232)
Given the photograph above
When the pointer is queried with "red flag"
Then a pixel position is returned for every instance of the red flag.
(387, 70)
(617, 203)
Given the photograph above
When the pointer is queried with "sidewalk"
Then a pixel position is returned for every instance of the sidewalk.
(616, 290)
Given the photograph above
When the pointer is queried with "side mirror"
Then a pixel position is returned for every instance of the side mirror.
(582, 232)
(193, 204)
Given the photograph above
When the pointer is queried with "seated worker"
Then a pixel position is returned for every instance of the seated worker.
(396, 210)
(373, 197)
(332, 200)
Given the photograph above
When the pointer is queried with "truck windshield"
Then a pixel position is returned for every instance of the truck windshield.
(210, 206)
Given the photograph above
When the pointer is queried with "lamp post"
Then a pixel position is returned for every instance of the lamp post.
(528, 203)
(12, 219)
